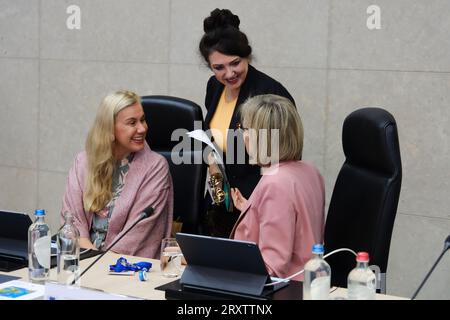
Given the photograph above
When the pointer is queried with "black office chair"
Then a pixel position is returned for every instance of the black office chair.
(164, 115)
(365, 197)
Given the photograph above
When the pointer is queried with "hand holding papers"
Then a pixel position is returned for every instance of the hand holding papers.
(218, 185)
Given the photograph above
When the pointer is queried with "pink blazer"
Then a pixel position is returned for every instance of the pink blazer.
(285, 216)
(148, 182)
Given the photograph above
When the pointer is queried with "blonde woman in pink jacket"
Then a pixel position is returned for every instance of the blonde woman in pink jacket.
(285, 213)
(116, 178)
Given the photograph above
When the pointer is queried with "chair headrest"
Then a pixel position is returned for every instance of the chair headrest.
(370, 140)
(159, 109)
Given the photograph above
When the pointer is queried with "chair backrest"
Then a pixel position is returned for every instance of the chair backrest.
(365, 197)
(164, 115)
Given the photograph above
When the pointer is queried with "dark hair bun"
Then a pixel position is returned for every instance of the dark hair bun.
(220, 19)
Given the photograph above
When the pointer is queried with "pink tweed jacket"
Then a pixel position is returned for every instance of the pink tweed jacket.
(285, 216)
(148, 182)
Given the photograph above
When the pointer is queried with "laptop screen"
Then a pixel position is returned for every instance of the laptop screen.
(14, 225)
(222, 253)
(231, 267)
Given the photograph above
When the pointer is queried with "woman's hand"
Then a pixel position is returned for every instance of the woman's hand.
(238, 199)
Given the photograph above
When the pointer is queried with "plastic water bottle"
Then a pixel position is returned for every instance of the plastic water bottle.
(68, 252)
(361, 283)
(316, 285)
(39, 249)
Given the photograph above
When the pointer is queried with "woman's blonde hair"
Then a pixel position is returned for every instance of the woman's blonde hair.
(100, 150)
(267, 116)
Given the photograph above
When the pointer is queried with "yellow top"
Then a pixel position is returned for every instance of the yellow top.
(220, 121)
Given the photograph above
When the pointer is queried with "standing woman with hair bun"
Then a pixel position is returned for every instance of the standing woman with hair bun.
(227, 53)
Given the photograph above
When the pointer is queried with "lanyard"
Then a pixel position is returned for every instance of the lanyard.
(123, 265)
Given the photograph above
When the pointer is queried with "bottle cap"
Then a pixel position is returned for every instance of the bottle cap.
(362, 256)
(39, 212)
(318, 248)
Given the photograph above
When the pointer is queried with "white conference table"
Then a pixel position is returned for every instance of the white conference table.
(98, 277)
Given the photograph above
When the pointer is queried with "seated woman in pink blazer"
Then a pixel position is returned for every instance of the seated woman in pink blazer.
(285, 213)
(116, 178)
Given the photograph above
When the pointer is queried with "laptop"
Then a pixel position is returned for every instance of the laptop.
(14, 242)
(223, 265)
(13, 239)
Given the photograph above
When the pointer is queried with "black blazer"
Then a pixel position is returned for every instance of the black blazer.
(242, 176)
